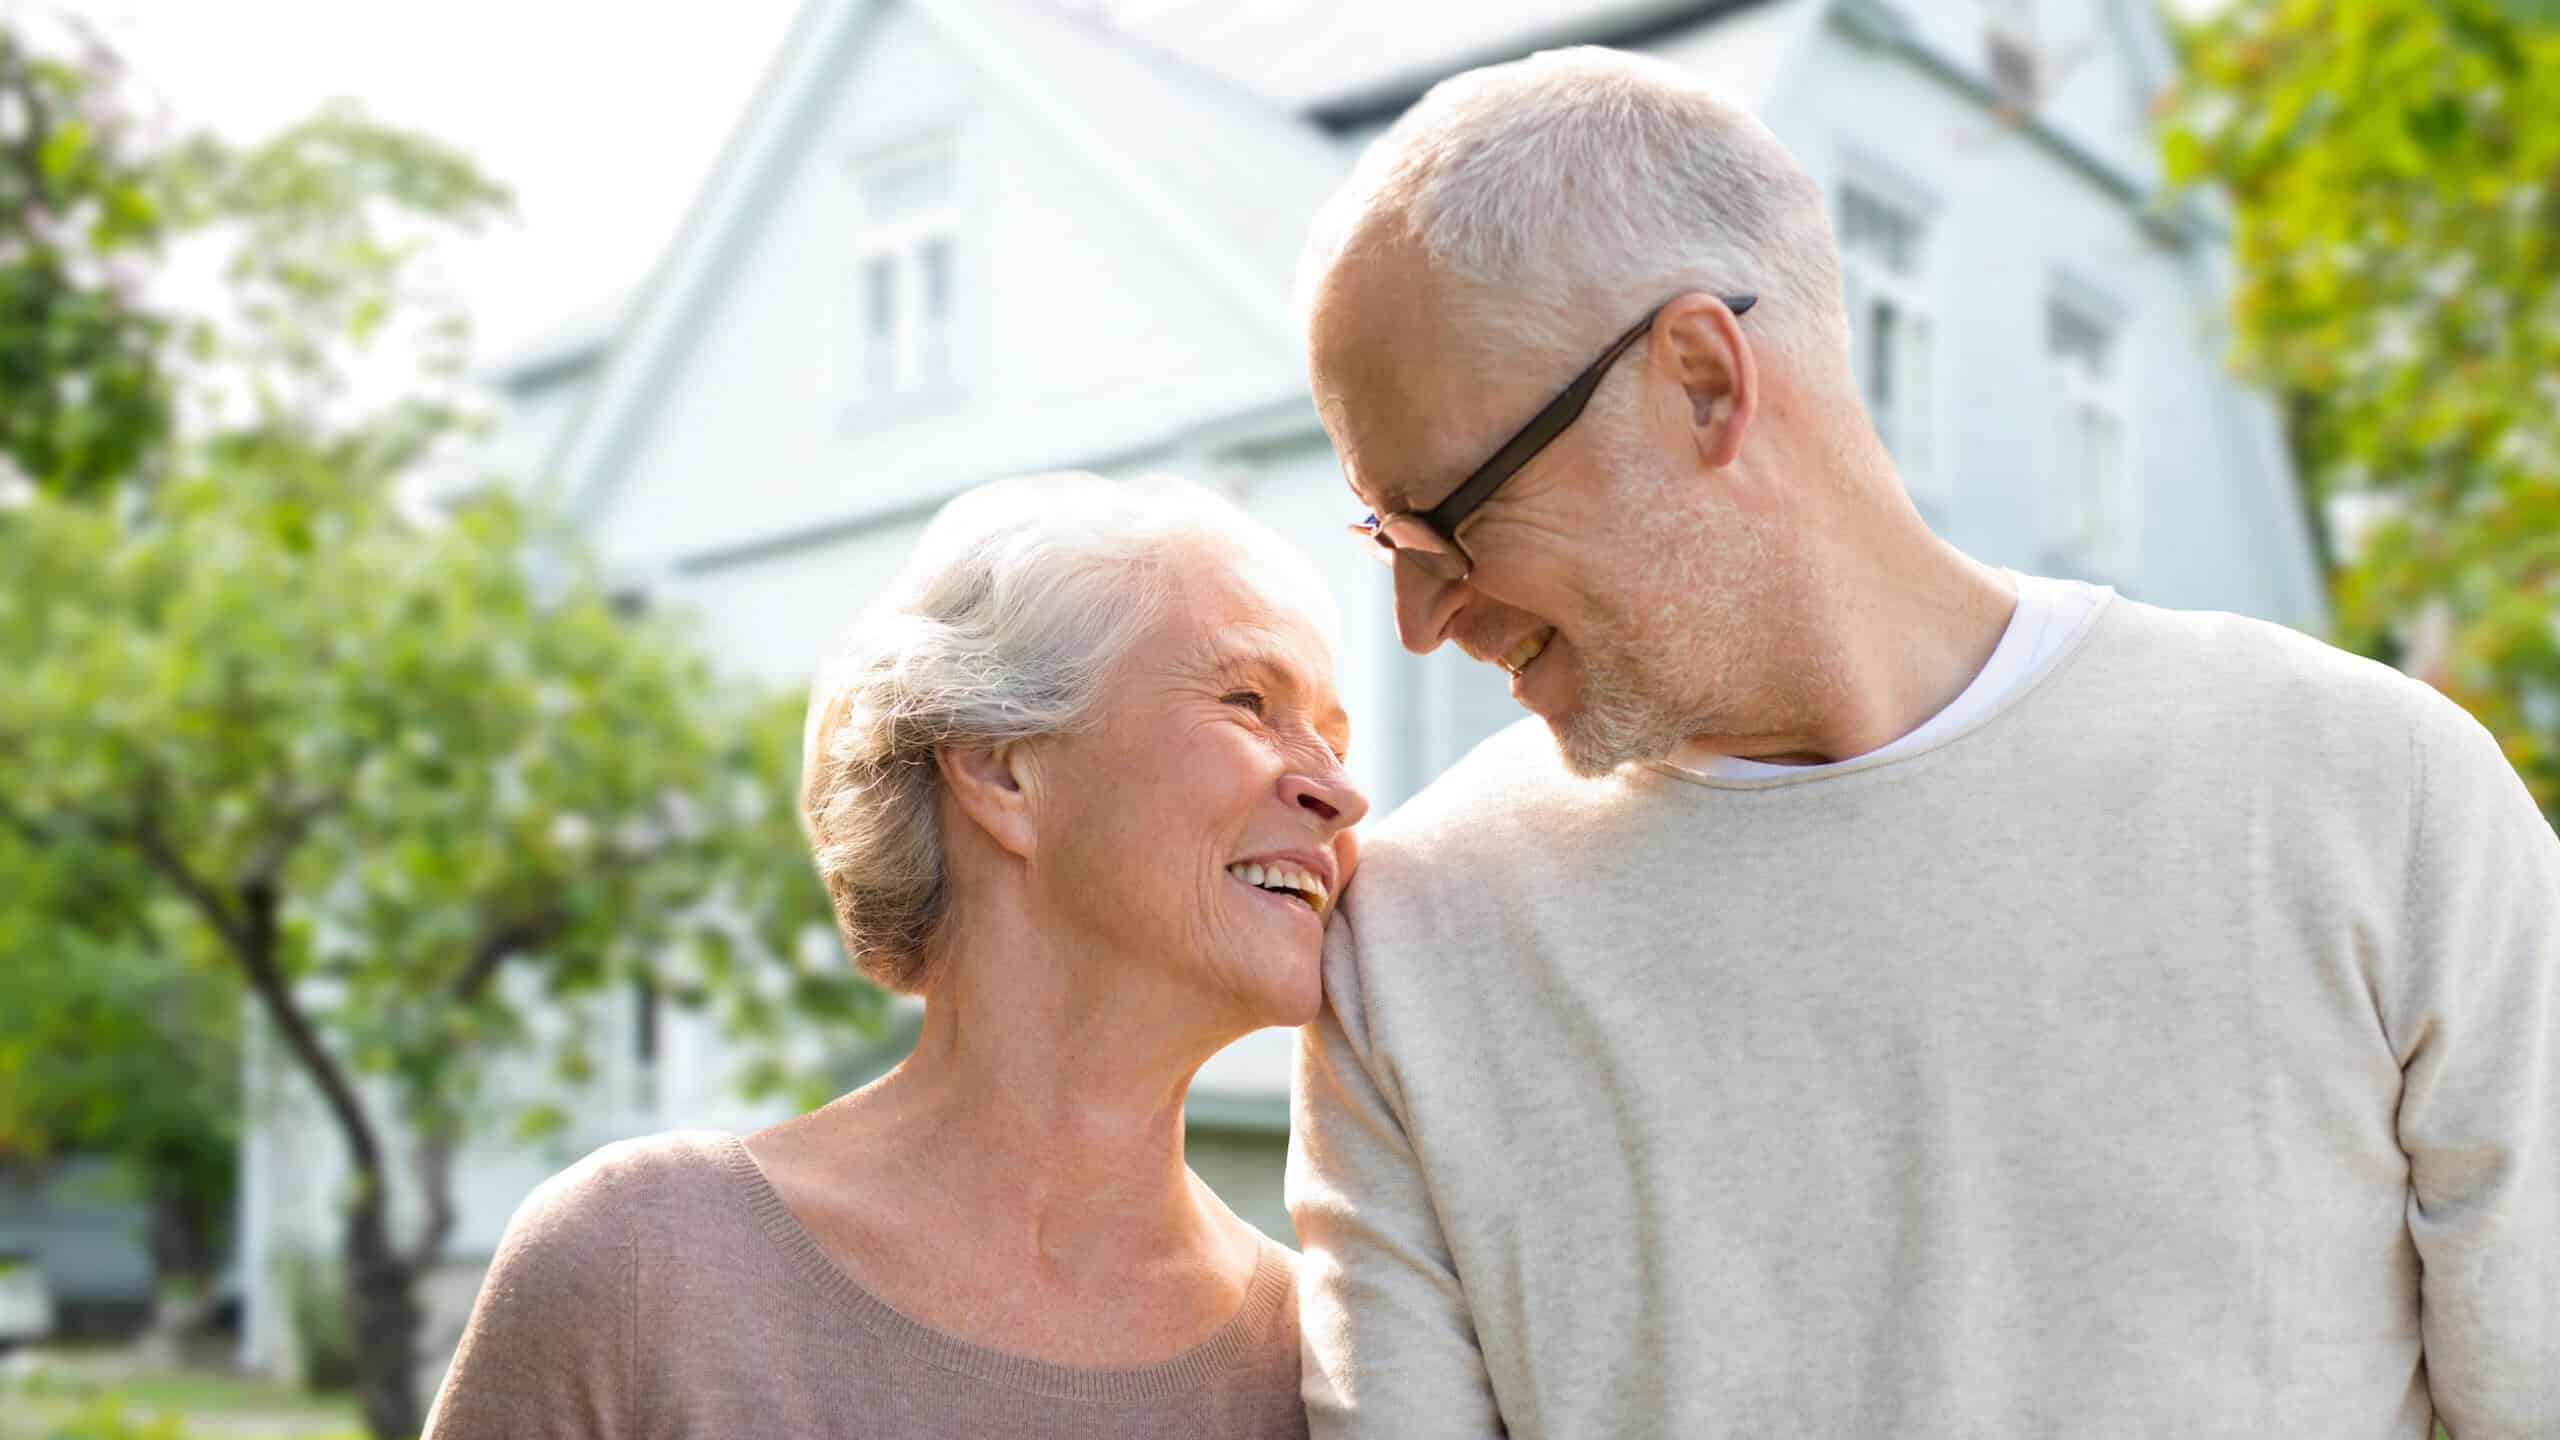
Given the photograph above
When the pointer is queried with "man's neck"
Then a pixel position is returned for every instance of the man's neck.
(1887, 636)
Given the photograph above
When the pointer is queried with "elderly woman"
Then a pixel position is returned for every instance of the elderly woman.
(1077, 782)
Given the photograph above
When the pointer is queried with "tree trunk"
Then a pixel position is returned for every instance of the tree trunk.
(384, 1316)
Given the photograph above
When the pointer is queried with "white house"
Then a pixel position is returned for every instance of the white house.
(957, 239)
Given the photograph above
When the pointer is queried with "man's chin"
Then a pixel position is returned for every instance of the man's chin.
(1594, 740)
(1584, 754)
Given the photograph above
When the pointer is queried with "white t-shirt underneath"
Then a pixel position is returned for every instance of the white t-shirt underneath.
(2049, 612)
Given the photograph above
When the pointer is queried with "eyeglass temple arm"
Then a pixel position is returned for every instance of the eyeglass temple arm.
(1562, 411)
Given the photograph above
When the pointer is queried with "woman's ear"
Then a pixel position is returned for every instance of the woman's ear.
(996, 786)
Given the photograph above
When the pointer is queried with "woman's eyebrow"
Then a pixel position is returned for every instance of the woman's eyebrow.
(1237, 649)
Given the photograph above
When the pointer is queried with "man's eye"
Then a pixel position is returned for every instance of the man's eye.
(1246, 699)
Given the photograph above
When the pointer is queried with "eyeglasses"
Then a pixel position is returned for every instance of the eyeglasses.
(1430, 537)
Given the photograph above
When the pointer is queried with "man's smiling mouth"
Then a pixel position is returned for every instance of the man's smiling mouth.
(1518, 657)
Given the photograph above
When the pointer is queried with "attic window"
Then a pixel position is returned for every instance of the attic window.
(905, 272)
(2010, 54)
(2013, 72)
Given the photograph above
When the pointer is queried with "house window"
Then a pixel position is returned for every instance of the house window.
(2095, 521)
(906, 272)
(1883, 246)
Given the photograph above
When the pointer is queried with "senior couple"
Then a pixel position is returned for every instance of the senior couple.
(1878, 994)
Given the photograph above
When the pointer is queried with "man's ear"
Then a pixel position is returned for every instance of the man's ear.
(996, 787)
(1713, 362)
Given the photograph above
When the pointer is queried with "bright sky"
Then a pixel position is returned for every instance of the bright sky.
(603, 115)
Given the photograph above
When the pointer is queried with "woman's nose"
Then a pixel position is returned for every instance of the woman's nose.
(1332, 799)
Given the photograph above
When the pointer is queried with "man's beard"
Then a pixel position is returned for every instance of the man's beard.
(1625, 716)
(1687, 667)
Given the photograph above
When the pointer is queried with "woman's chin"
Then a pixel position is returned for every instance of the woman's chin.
(1304, 998)
(1283, 987)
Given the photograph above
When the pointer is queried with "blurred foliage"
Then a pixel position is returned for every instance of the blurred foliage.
(283, 724)
(389, 758)
(118, 1037)
(2392, 168)
(83, 400)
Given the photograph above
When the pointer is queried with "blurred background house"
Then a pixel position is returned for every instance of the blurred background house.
(951, 240)
(75, 1254)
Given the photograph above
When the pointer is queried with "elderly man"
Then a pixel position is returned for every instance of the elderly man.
(1893, 995)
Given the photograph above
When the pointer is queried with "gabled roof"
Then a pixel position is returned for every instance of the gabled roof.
(1201, 151)
(1229, 179)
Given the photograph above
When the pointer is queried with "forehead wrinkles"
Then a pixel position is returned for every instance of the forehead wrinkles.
(1293, 654)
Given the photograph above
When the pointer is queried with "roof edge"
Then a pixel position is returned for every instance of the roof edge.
(1382, 102)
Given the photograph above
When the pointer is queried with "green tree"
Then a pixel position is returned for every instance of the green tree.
(403, 778)
(131, 1064)
(83, 400)
(2392, 170)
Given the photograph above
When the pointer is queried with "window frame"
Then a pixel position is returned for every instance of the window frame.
(1914, 427)
(925, 361)
(2095, 525)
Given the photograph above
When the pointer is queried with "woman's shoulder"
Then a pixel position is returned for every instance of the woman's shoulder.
(628, 1192)
(553, 1343)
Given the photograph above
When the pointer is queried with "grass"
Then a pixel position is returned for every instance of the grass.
(71, 1402)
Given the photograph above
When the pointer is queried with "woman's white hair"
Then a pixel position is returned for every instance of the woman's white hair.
(1008, 622)
(1587, 179)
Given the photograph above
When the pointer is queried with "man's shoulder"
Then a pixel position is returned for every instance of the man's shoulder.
(2222, 667)
(1510, 787)
(1513, 772)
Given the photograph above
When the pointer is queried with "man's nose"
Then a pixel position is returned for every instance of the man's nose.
(1424, 607)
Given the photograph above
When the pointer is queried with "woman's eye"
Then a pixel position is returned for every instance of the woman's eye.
(1247, 699)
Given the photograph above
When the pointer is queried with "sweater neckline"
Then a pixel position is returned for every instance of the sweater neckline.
(1861, 766)
(1188, 1371)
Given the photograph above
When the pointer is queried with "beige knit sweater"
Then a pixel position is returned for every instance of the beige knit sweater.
(660, 1288)
(2173, 1051)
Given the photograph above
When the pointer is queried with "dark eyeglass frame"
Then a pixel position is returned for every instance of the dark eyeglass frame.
(1430, 537)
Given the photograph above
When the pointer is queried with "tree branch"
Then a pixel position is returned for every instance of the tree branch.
(292, 827)
(254, 945)
(145, 837)
(510, 937)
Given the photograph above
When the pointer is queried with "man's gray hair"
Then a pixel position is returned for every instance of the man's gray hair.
(1590, 179)
(1009, 620)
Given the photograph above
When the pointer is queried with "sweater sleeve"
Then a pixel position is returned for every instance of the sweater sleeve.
(2479, 1039)
(1390, 1346)
(547, 1354)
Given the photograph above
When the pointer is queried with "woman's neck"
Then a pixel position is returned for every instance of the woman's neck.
(1042, 1107)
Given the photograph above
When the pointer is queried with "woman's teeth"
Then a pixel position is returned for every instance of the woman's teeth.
(1529, 648)
(1282, 879)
